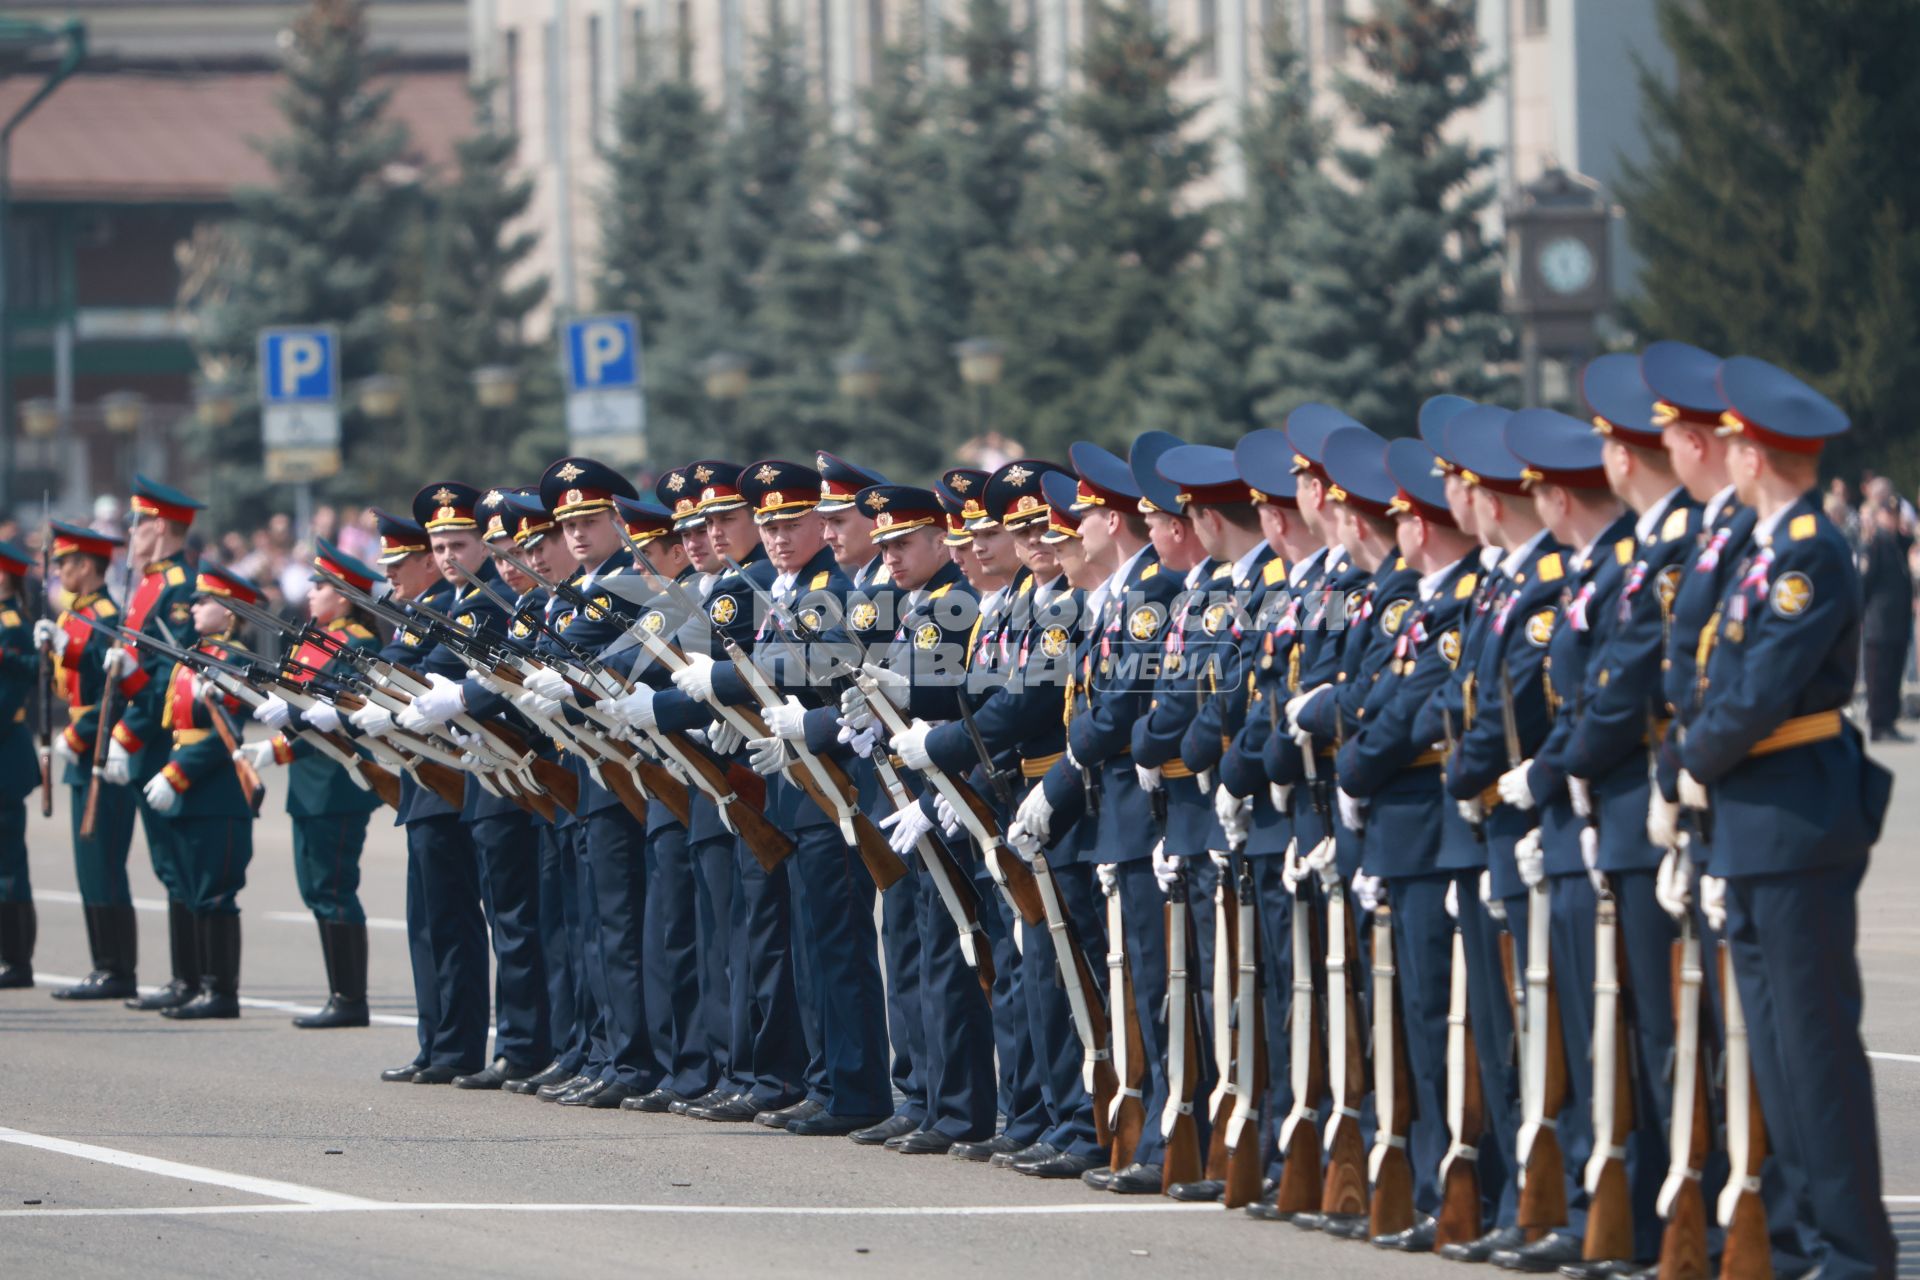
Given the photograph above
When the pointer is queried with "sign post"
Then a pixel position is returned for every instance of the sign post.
(606, 400)
(300, 411)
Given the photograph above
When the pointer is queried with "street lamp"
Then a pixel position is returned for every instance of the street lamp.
(380, 396)
(216, 403)
(39, 417)
(123, 411)
(496, 386)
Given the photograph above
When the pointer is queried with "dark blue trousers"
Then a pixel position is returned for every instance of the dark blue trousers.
(567, 998)
(713, 885)
(1793, 940)
(1423, 974)
(617, 848)
(956, 1057)
(1273, 907)
(833, 920)
(1490, 1015)
(1061, 1055)
(900, 937)
(1144, 923)
(449, 945)
(16, 885)
(1646, 942)
(672, 978)
(768, 1051)
(593, 969)
(1023, 1100)
(509, 848)
(1572, 947)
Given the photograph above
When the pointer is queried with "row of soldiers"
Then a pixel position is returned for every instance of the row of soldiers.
(1450, 842)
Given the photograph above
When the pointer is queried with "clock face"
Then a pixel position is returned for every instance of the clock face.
(1566, 265)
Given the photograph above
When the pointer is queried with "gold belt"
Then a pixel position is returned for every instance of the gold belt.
(190, 737)
(1037, 766)
(1428, 758)
(1175, 769)
(1798, 732)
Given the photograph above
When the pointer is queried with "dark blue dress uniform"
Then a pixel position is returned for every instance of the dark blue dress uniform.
(19, 775)
(99, 860)
(1796, 807)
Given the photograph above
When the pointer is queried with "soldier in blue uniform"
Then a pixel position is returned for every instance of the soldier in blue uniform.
(204, 789)
(19, 771)
(80, 681)
(158, 520)
(330, 806)
(1795, 806)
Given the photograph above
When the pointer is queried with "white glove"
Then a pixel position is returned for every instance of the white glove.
(861, 740)
(636, 709)
(1224, 862)
(892, 685)
(1353, 810)
(1302, 738)
(1531, 860)
(550, 684)
(536, 706)
(1453, 900)
(1495, 908)
(116, 662)
(1580, 792)
(1298, 703)
(1590, 857)
(1672, 885)
(905, 827)
(1149, 778)
(724, 738)
(1232, 812)
(1294, 870)
(1663, 821)
(260, 756)
(412, 721)
(62, 752)
(1280, 795)
(910, 744)
(372, 720)
(696, 678)
(274, 712)
(1713, 902)
(768, 756)
(1471, 809)
(1370, 891)
(1036, 815)
(788, 720)
(322, 716)
(1693, 792)
(1023, 842)
(1166, 867)
(161, 797)
(1109, 876)
(441, 703)
(1514, 788)
(854, 710)
(46, 633)
(118, 770)
(487, 682)
(943, 811)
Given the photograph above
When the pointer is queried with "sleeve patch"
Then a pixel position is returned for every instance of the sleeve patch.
(723, 610)
(1675, 526)
(1393, 615)
(1450, 647)
(1540, 628)
(1801, 528)
(1145, 622)
(1551, 569)
(926, 636)
(1792, 592)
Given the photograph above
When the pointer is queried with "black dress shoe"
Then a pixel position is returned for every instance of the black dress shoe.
(982, 1152)
(437, 1075)
(1602, 1269)
(174, 994)
(1417, 1238)
(99, 985)
(1345, 1226)
(1099, 1178)
(825, 1124)
(1205, 1191)
(1549, 1253)
(1889, 735)
(925, 1142)
(656, 1103)
(781, 1117)
(1268, 1211)
(336, 1012)
(584, 1095)
(402, 1075)
(611, 1096)
(496, 1074)
(552, 1073)
(561, 1088)
(894, 1126)
(1064, 1165)
(735, 1110)
(1137, 1180)
(711, 1098)
(1485, 1247)
(1026, 1157)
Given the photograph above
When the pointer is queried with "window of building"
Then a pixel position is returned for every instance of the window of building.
(1206, 33)
(1334, 31)
(1533, 17)
(510, 78)
(596, 76)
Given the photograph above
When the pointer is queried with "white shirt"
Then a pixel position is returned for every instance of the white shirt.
(1243, 567)
(1097, 603)
(1650, 518)
(1305, 567)
(1510, 565)
(1716, 504)
(1431, 583)
(1763, 532)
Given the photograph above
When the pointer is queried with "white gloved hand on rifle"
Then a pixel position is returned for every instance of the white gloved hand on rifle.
(1024, 843)
(322, 715)
(1234, 814)
(860, 741)
(1713, 902)
(1369, 891)
(1166, 866)
(1109, 877)
(891, 684)
(768, 755)
(160, 795)
(635, 709)
(1353, 811)
(549, 684)
(1663, 820)
(943, 812)
(1036, 815)
(788, 720)
(274, 712)
(1516, 789)
(373, 720)
(1280, 796)
(1580, 794)
(1149, 778)
(1590, 858)
(1693, 792)
(441, 703)
(46, 634)
(724, 738)
(696, 678)
(1453, 900)
(1530, 859)
(261, 757)
(1495, 908)
(117, 770)
(910, 744)
(533, 704)
(117, 662)
(904, 828)
(1471, 810)
(1673, 883)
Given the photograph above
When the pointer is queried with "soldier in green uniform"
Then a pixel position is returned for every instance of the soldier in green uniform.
(19, 772)
(330, 805)
(205, 788)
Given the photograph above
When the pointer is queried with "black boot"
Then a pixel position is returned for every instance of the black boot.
(345, 947)
(219, 971)
(18, 927)
(183, 946)
(113, 938)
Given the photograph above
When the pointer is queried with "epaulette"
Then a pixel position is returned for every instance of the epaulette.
(1801, 528)
(1623, 550)
(1675, 526)
(1026, 586)
(176, 575)
(1399, 564)
(1275, 572)
(1463, 589)
(882, 576)
(1223, 569)
(103, 608)
(819, 580)
(1149, 571)
(1551, 570)
(9, 618)
(935, 594)
(359, 632)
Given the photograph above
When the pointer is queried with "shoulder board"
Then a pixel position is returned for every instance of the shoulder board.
(819, 580)
(1551, 570)
(359, 632)
(882, 576)
(935, 594)
(1149, 571)
(1222, 570)
(1399, 563)
(176, 575)
(1801, 528)
(1623, 550)
(1463, 589)
(1675, 526)
(9, 618)
(103, 608)
(1026, 586)
(1276, 571)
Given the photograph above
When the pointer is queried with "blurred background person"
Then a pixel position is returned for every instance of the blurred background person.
(1887, 587)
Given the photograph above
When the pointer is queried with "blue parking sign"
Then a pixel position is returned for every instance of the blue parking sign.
(299, 366)
(603, 353)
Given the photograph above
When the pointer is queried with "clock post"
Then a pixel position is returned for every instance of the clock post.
(1557, 277)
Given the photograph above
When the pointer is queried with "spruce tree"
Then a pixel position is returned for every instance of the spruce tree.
(319, 246)
(1778, 212)
(1396, 289)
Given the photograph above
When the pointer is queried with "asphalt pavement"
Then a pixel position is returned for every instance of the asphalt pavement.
(131, 1145)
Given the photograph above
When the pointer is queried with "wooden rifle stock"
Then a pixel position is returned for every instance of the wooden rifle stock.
(380, 782)
(449, 784)
(1747, 1253)
(616, 777)
(1129, 1111)
(1017, 875)
(1344, 1190)
(1543, 1194)
(249, 778)
(1391, 1209)
(746, 811)
(1181, 1162)
(1226, 946)
(1610, 1206)
(1683, 1243)
(1460, 1220)
(1105, 1082)
(1247, 1158)
(1301, 1188)
(102, 737)
(882, 863)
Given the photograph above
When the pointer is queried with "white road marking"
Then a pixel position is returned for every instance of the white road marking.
(68, 898)
(710, 1210)
(249, 1002)
(291, 1191)
(1894, 1057)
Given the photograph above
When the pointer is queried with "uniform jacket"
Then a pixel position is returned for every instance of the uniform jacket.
(199, 765)
(161, 607)
(19, 680)
(317, 786)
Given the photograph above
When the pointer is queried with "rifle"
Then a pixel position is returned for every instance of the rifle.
(102, 736)
(1126, 1116)
(46, 658)
(1226, 950)
(1344, 1192)
(1246, 1163)
(248, 777)
(1177, 1126)
(1391, 1210)
(1300, 1184)
(1076, 975)
(1610, 1205)
(1683, 1205)
(1460, 1220)
(1747, 1253)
